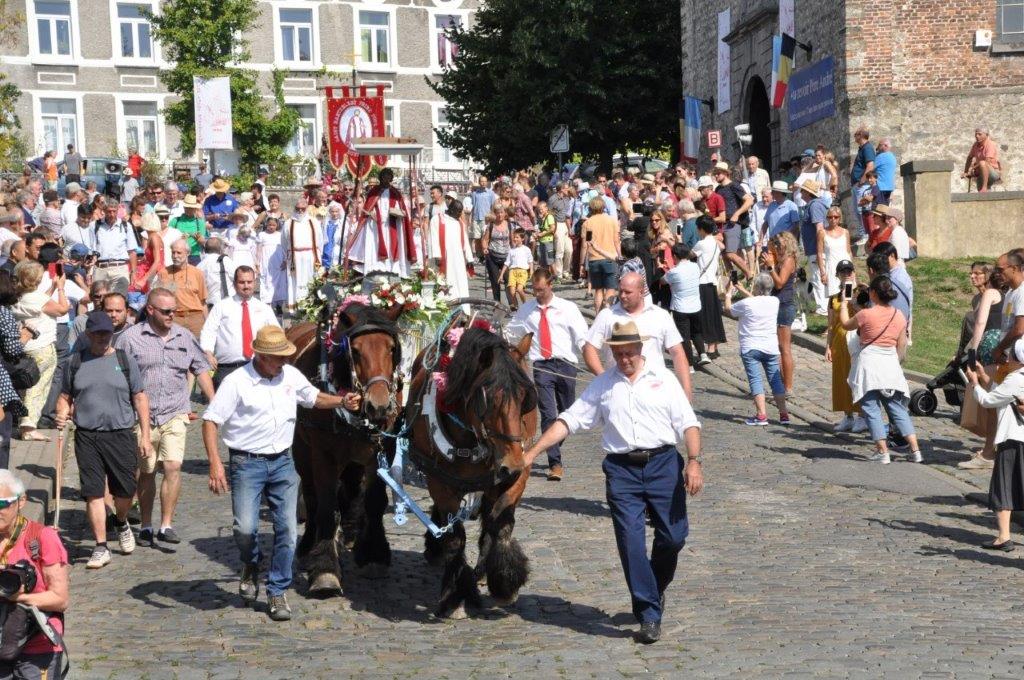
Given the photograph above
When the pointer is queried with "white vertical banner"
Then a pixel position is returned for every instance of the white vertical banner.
(787, 18)
(724, 98)
(212, 99)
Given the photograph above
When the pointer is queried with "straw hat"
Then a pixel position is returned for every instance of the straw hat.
(812, 187)
(239, 215)
(313, 183)
(625, 333)
(220, 185)
(781, 187)
(721, 166)
(272, 340)
(190, 202)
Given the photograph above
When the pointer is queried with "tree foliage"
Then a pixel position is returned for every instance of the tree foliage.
(13, 147)
(205, 39)
(611, 71)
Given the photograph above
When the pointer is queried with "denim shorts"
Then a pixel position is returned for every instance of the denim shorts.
(731, 234)
(603, 275)
(787, 314)
(753, 361)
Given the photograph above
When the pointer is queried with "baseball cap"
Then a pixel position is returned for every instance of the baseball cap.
(79, 250)
(808, 152)
(705, 181)
(844, 266)
(98, 322)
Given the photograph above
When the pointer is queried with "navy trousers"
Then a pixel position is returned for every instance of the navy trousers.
(556, 390)
(657, 487)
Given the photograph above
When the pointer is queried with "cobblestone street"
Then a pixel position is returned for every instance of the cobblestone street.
(803, 560)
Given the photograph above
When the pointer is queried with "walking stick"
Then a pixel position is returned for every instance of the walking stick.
(62, 441)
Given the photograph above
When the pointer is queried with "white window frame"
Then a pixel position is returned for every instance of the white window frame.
(318, 129)
(156, 58)
(372, 66)
(121, 123)
(1000, 36)
(433, 31)
(436, 149)
(35, 56)
(396, 117)
(37, 116)
(314, 37)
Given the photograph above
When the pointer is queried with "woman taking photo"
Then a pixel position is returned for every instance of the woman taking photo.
(706, 251)
(779, 262)
(495, 243)
(876, 376)
(981, 331)
(837, 352)
(37, 311)
(1006, 490)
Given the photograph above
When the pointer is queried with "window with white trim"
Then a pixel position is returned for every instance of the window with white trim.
(296, 35)
(53, 26)
(443, 48)
(442, 155)
(140, 128)
(304, 143)
(134, 30)
(1010, 21)
(60, 123)
(389, 121)
(375, 37)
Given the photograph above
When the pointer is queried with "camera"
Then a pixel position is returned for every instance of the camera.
(734, 277)
(15, 576)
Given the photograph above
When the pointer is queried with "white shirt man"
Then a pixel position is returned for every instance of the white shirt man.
(232, 324)
(69, 210)
(559, 331)
(218, 270)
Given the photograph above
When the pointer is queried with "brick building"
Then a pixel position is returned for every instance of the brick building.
(923, 72)
(88, 69)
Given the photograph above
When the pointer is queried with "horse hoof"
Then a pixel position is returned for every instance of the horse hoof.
(325, 585)
(374, 570)
(459, 614)
(506, 601)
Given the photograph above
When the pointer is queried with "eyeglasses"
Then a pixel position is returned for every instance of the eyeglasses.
(165, 312)
(834, 217)
(164, 218)
(8, 502)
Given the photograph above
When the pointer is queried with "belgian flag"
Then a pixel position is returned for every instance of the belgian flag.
(783, 53)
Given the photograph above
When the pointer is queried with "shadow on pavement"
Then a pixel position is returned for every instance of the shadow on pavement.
(201, 594)
(995, 559)
(935, 530)
(576, 506)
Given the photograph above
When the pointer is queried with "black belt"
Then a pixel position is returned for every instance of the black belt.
(265, 456)
(111, 263)
(231, 364)
(642, 456)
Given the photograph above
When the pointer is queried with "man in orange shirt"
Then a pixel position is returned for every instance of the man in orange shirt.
(189, 288)
(983, 161)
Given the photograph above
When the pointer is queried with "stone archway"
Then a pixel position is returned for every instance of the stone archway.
(759, 113)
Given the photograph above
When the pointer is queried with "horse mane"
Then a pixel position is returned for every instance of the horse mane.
(483, 352)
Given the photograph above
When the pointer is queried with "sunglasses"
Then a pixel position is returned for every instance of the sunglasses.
(165, 312)
(8, 502)
(164, 218)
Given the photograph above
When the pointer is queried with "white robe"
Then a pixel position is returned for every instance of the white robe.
(302, 255)
(273, 279)
(364, 250)
(457, 253)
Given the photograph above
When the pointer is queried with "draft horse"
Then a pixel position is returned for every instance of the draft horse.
(336, 452)
(475, 444)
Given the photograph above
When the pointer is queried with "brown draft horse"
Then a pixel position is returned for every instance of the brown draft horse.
(336, 458)
(495, 407)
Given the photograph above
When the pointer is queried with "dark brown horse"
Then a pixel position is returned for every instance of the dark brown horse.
(336, 454)
(491, 417)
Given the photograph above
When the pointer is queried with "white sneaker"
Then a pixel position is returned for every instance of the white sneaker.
(704, 360)
(882, 458)
(100, 558)
(126, 538)
(859, 425)
(915, 457)
(863, 240)
(800, 323)
(843, 425)
(976, 463)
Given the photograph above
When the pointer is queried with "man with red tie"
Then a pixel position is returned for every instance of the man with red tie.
(559, 332)
(232, 324)
(384, 238)
(168, 355)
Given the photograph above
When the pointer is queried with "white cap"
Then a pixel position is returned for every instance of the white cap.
(705, 181)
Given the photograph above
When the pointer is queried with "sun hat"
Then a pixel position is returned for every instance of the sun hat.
(127, 172)
(705, 181)
(452, 195)
(239, 215)
(625, 333)
(272, 340)
(99, 322)
(812, 187)
(312, 183)
(721, 166)
(881, 209)
(781, 187)
(161, 209)
(190, 202)
(220, 185)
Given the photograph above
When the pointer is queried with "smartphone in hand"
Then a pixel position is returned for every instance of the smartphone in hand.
(847, 290)
(734, 276)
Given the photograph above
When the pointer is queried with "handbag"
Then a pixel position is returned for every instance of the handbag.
(24, 372)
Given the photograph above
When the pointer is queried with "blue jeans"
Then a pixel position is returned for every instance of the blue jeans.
(896, 406)
(252, 477)
(753, 361)
(656, 486)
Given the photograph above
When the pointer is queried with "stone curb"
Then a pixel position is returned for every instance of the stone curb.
(816, 344)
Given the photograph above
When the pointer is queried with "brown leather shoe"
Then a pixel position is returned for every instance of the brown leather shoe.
(555, 474)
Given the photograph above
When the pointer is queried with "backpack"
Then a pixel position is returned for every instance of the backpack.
(76, 363)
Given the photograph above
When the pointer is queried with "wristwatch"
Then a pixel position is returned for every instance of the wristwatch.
(695, 459)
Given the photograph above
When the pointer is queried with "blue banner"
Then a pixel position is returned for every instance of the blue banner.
(812, 94)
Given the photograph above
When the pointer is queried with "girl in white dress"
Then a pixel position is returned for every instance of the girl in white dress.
(833, 248)
(273, 277)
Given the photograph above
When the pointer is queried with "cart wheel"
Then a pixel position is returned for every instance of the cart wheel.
(923, 402)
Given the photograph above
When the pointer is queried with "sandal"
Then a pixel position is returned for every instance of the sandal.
(33, 436)
(1005, 546)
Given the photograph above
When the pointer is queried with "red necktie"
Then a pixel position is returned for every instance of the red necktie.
(442, 246)
(545, 334)
(246, 331)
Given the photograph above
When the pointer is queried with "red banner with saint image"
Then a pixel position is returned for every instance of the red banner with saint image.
(351, 116)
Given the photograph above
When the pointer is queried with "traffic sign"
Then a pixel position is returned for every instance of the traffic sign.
(560, 139)
(714, 139)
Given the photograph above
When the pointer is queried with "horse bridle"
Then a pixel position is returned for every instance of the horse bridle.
(392, 382)
(485, 435)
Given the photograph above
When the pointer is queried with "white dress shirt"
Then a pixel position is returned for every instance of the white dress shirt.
(222, 331)
(257, 415)
(519, 258)
(653, 321)
(651, 412)
(568, 328)
(69, 211)
(210, 267)
(1002, 397)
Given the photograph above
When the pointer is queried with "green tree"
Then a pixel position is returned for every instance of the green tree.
(205, 39)
(13, 148)
(608, 70)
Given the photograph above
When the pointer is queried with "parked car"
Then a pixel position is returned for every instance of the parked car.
(635, 162)
(100, 170)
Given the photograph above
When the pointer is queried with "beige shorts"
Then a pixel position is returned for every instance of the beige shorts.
(168, 442)
(477, 229)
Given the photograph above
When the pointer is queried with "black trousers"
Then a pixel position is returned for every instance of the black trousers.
(494, 264)
(688, 326)
(556, 390)
(223, 371)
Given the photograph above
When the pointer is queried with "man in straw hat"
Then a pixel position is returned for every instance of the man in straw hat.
(192, 227)
(258, 431)
(218, 207)
(816, 209)
(644, 413)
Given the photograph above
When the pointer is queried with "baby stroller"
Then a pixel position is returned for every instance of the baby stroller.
(923, 402)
